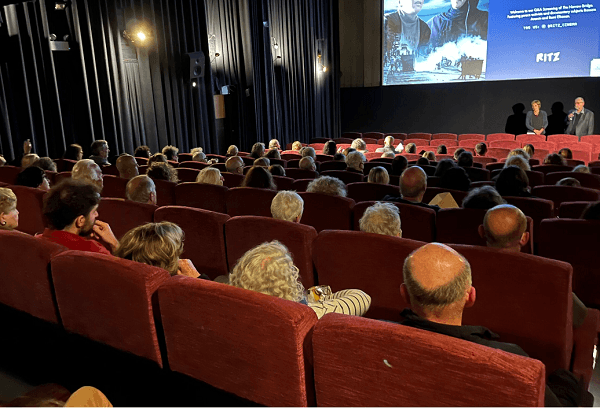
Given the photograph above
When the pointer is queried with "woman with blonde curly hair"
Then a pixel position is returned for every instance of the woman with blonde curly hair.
(210, 175)
(157, 244)
(9, 215)
(269, 269)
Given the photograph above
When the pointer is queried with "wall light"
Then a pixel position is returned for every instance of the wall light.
(140, 33)
(321, 67)
(60, 5)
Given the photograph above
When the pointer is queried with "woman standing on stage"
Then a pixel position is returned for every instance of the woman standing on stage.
(537, 120)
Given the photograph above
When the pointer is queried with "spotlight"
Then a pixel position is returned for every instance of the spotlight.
(141, 36)
(139, 32)
(194, 84)
(60, 5)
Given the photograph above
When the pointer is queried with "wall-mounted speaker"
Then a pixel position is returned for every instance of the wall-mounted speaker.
(196, 64)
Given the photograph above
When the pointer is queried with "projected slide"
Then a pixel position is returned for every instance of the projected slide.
(433, 41)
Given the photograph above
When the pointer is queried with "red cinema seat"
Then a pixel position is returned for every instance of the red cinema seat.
(318, 146)
(539, 155)
(351, 135)
(536, 178)
(572, 209)
(371, 191)
(499, 136)
(114, 186)
(248, 161)
(507, 144)
(110, 169)
(8, 174)
(369, 165)
(323, 157)
(417, 141)
(431, 192)
(476, 174)
(300, 185)
(165, 192)
(484, 160)
(323, 211)
(283, 183)
(387, 160)
(213, 330)
(371, 156)
(109, 300)
(346, 176)
(471, 136)
(497, 153)
(574, 162)
(220, 166)
(560, 194)
(319, 140)
(290, 156)
(592, 139)
(399, 136)
(183, 157)
(124, 215)
(444, 136)
(192, 165)
(417, 222)
(232, 180)
(526, 138)
(536, 208)
(293, 164)
(373, 270)
(550, 168)
(250, 201)
(550, 146)
(25, 283)
(413, 156)
(246, 232)
(65, 164)
(198, 195)
(345, 140)
(298, 174)
(563, 139)
(204, 237)
(418, 135)
(538, 316)
(420, 368)
(587, 180)
(373, 135)
(187, 175)
(445, 142)
(142, 161)
(469, 143)
(30, 204)
(371, 143)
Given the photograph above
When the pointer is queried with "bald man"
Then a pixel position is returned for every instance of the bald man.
(127, 166)
(141, 189)
(413, 183)
(235, 165)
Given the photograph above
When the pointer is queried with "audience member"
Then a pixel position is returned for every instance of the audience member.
(274, 144)
(442, 166)
(287, 206)
(127, 166)
(513, 181)
(582, 168)
(171, 153)
(330, 148)
(262, 162)
(232, 151)
(422, 161)
(411, 148)
(429, 155)
(296, 146)
(379, 175)
(591, 212)
(258, 150)
(347, 151)
(73, 152)
(9, 215)
(269, 269)
(277, 170)
(210, 175)
(141, 189)
(442, 149)
(33, 177)
(569, 182)
(566, 153)
(518, 152)
(259, 177)
(307, 163)
(157, 158)
(157, 244)
(162, 171)
(327, 185)
(308, 152)
(71, 210)
(199, 157)
(456, 178)
(388, 146)
(482, 198)
(142, 151)
(388, 155)
(359, 145)
(196, 150)
(45, 163)
(529, 149)
(382, 218)
(235, 165)
(339, 157)
(413, 183)
(28, 160)
(100, 152)
(556, 159)
(465, 159)
(88, 171)
(518, 161)
(273, 154)
(458, 151)
(399, 164)
(355, 162)
(480, 149)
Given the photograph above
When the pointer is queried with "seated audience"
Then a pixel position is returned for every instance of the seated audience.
(210, 175)
(142, 151)
(235, 165)
(339, 157)
(171, 153)
(28, 160)
(308, 152)
(73, 152)
(127, 166)
(388, 146)
(157, 158)
(33, 177)
(482, 198)
(554, 158)
(9, 215)
(269, 269)
(529, 149)
(287, 206)
(162, 171)
(379, 175)
(330, 148)
(413, 183)
(296, 146)
(465, 159)
(382, 218)
(262, 162)
(277, 170)
(196, 150)
(273, 154)
(141, 189)
(157, 244)
(199, 157)
(411, 148)
(100, 152)
(442, 149)
(458, 151)
(258, 150)
(232, 151)
(566, 153)
(45, 163)
(327, 185)
(399, 164)
(422, 161)
(274, 144)
(387, 155)
(442, 166)
(71, 210)
(359, 145)
(347, 151)
(307, 163)
(88, 171)
(518, 152)
(591, 212)
(355, 162)
(513, 181)
(582, 168)
(480, 149)
(518, 161)
(456, 178)
(259, 177)
(429, 155)
(569, 182)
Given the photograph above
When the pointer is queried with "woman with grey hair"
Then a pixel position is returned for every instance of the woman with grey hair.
(355, 161)
(327, 185)
(359, 145)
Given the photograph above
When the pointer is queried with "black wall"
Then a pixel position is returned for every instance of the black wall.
(478, 107)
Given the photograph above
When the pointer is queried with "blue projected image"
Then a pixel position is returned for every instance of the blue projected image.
(432, 41)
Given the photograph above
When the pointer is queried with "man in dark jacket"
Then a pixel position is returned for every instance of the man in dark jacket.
(403, 27)
(462, 19)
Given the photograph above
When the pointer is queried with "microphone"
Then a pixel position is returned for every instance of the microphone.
(572, 113)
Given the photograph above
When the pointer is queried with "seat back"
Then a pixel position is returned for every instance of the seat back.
(204, 237)
(527, 138)
(297, 174)
(559, 194)
(537, 316)
(550, 168)
(499, 136)
(351, 135)
(114, 186)
(250, 201)
(346, 176)
(109, 300)
(376, 268)
(399, 136)
(165, 192)
(183, 157)
(476, 174)
(445, 142)
(484, 160)
(420, 368)
(300, 185)
(232, 180)
(8, 174)
(587, 180)
(323, 211)
(507, 144)
(25, 281)
(417, 141)
(494, 166)
(536, 178)
(213, 330)
(283, 183)
(417, 222)
(124, 215)
(246, 232)
(187, 175)
(65, 164)
(290, 156)
(444, 136)
(30, 204)
(110, 169)
(418, 135)
(192, 165)
(371, 191)
(206, 196)
(497, 152)
(563, 139)
(333, 165)
(471, 136)
(368, 166)
(572, 209)
(61, 176)
(324, 157)
(373, 135)
(431, 192)
(536, 208)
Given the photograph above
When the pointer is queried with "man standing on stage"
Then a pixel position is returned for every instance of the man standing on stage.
(580, 121)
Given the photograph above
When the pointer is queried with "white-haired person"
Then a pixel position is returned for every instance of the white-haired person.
(287, 206)
(210, 175)
(308, 152)
(388, 146)
(360, 145)
(232, 151)
(327, 185)
(141, 189)
(355, 162)
(307, 163)
(269, 269)
(378, 175)
(274, 144)
(9, 215)
(382, 218)
(88, 171)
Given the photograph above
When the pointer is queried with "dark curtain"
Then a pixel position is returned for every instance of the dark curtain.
(103, 87)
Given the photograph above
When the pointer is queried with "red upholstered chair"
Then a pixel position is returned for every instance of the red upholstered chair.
(444, 156)
(587, 180)
(232, 180)
(206, 196)
(412, 156)
(444, 136)
(469, 142)
(417, 222)
(536, 208)
(61, 176)
(204, 237)
(351, 135)
(142, 169)
(65, 164)
(283, 183)
(550, 146)
(323, 211)
(476, 184)
(445, 142)
(574, 162)
(563, 139)
(476, 174)
(290, 156)
(371, 143)
(124, 215)
(471, 136)
(373, 135)
(141, 161)
(369, 165)
(346, 176)
(109, 300)
(507, 144)
(431, 192)
(192, 165)
(551, 168)
(8, 174)
(371, 191)
(318, 146)
(245, 233)
(323, 157)
(219, 157)
(372, 269)
(25, 283)
(484, 160)
(536, 178)
(400, 136)
(560, 194)
(344, 140)
(497, 152)
(499, 136)
(213, 330)
(418, 135)
(248, 161)
(221, 166)
(572, 209)
(111, 169)
(460, 226)
(3, 184)
(372, 155)
(417, 141)
(539, 155)
(293, 163)
(592, 139)
(319, 140)
(387, 160)
(183, 157)
(165, 192)
(527, 138)
(114, 186)
(187, 175)
(250, 201)
(300, 185)
(297, 174)
(420, 368)
(30, 203)
(537, 316)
